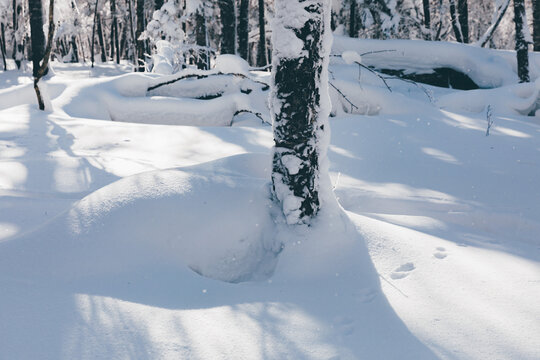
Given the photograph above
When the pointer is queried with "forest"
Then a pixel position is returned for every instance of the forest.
(270, 179)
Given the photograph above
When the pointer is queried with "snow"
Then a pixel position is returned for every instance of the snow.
(430, 251)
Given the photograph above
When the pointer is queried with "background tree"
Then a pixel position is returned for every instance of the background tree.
(262, 59)
(463, 16)
(353, 18)
(299, 104)
(140, 42)
(228, 22)
(40, 68)
(427, 17)
(536, 24)
(36, 34)
(243, 29)
(522, 45)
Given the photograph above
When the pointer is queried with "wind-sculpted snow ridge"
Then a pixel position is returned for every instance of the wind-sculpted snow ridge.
(170, 217)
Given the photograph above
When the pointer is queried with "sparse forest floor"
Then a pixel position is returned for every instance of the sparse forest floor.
(106, 226)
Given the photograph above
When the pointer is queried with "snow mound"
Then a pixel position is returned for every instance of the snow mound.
(232, 64)
(169, 217)
(486, 67)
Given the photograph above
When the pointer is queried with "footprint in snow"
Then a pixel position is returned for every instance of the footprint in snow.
(441, 253)
(402, 271)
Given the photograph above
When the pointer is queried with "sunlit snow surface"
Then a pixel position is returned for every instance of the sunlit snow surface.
(434, 254)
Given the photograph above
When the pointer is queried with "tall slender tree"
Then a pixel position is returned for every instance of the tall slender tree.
(37, 36)
(228, 22)
(262, 58)
(115, 50)
(300, 104)
(41, 65)
(522, 46)
(427, 18)
(243, 29)
(140, 30)
(201, 38)
(353, 18)
(101, 39)
(536, 24)
(3, 44)
(463, 16)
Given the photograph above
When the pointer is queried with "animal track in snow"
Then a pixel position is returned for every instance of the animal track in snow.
(402, 271)
(441, 253)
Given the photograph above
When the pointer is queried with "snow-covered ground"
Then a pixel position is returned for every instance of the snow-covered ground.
(141, 240)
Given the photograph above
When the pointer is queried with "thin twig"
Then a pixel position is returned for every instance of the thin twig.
(343, 95)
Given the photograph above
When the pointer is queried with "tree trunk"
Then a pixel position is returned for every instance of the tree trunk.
(133, 43)
(74, 50)
(36, 33)
(158, 4)
(41, 69)
(522, 47)
(300, 105)
(243, 29)
(228, 33)
(536, 24)
(463, 11)
(93, 34)
(200, 39)
(353, 27)
(427, 17)
(261, 47)
(114, 34)
(101, 39)
(3, 45)
(455, 21)
(140, 30)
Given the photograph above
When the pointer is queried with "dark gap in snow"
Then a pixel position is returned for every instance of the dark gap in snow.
(442, 77)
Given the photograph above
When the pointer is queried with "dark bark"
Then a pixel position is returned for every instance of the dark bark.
(36, 33)
(522, 47)
(262, 59)
(140, 30)
(18, 47)
(3, 45)
(243, 29)
(114, 34)
(123, 42)
(93, 34)
(427, 16)
(536, 24)
(158, 4)
(228, 33)
(74, 50)
(353, 16)
(133, 43)
(463, 15)
(455, 21)
(41, 69)
(296, 120)
(200, 39)
(101, 39)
